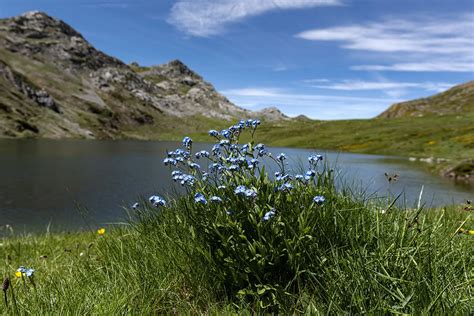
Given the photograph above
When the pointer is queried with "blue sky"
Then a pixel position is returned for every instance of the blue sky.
(327, 59)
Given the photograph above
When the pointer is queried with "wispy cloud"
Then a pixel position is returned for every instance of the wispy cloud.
(360, 85)
(421, 44)
(318, 106)
(207, 17)
(420, 66)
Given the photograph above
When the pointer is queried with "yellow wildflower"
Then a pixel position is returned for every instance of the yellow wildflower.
(471, 232)
(101, 231)
(18, 274)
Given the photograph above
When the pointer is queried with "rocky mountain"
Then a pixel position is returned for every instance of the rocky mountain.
(55, 84)
(458, 99)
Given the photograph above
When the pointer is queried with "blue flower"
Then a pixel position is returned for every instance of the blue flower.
(216, 149)
(226, 133)
(135, 205)
(255, 123)
(262, 153)
(194, 165)
(156, 201)
(224, 142)
(313, 159)
(259, 146)
(201, 153)
(309, 174)
(187, 142)
(199, 198)
(177, 175)
(169, 161)
(26, 271)
(281, 157)
(280, 176)
(188, 180)
(250, 193)
(319, 199)
(253, 163)
(285, 187)
(216, 199)
(214, 167)
(234, 168)
(240, 190)
(29, 272)
(268, 215)
(214, 133)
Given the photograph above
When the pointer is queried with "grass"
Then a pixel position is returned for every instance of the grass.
(366, 262)
(346, 255)
(438, 136)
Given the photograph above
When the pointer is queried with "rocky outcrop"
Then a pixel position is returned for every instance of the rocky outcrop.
(272, 114)
(38, 95)
(35, 34)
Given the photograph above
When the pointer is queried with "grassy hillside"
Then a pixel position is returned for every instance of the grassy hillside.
(439, 136)
(457, 100)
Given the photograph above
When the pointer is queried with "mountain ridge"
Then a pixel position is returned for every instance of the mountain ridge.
(55, 84)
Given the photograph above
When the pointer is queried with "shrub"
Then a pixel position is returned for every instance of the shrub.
(253, 232)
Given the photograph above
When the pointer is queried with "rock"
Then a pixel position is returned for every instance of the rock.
(464, 172)
(38, 95)
(429, 160)
(271, 114)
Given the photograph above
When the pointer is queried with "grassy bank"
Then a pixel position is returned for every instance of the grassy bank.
(366, 262)
(242, 241)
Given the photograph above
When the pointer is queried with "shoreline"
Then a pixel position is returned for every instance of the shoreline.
(458, 170)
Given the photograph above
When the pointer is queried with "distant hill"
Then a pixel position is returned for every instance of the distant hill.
(54, 84)
(458, 99)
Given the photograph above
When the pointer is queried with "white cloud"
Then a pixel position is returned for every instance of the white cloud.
(254, 92)
(421, 44)
(206, 17)
(318, 106)
(432, 66)
(359, 85)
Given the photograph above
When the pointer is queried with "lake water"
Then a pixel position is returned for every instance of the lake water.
(73, 184)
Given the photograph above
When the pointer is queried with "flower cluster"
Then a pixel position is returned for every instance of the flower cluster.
(22, 271)
(156, 201)
(231, 165)
(243, 218)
